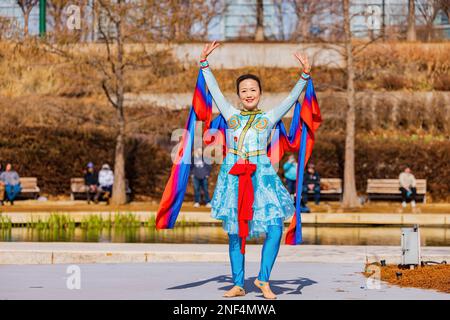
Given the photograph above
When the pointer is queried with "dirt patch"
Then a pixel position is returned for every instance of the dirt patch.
(436, 277)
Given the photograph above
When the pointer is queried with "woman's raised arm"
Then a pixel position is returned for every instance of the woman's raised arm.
(278, 112)
(225, 108)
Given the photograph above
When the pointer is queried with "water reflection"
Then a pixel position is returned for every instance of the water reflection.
(213, 235)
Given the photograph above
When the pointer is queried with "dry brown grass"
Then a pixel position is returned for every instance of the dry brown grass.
(27, 70)
(406, 66)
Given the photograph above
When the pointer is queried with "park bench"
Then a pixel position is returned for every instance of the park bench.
(388, 189)
(78, 189)
(330, 189)
(30, 189)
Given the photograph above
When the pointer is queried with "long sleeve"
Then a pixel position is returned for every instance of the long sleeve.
(225, 108)
(278, 112)
(16, 178)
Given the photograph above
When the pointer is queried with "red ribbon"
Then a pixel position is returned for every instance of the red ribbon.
(244, 170)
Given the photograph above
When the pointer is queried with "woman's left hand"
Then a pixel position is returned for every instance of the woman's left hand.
(304, 61)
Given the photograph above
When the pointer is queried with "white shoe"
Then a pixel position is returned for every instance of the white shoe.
(196, 205)
(208, 205)
(404, 204)
(413, 204)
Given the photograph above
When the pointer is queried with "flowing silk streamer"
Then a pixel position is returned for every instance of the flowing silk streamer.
(306, 120)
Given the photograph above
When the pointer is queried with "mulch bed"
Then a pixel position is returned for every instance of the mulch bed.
(436, 277)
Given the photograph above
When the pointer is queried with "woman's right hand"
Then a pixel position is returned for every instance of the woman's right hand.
(208, 48)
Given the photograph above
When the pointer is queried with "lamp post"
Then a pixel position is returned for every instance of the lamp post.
(42, 18)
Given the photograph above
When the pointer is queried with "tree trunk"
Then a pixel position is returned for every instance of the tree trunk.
(119, 193)
(411, 33)
(350, 199)
(26, 18)
(259, 33)
(429, 31)
(305, 27)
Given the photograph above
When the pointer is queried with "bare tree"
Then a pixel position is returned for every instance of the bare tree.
(306, 11)
(259, 31)
(206, 13)
(119, 22)
(411, 33)
(128, 35)
(26, 6)
(279, 16)
(446, 7)
(428, 10)
(7, 27)
(350, 198)
(338, 36)
(191, 19)
(55, 11)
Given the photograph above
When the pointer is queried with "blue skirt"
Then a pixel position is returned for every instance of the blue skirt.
(272, 202)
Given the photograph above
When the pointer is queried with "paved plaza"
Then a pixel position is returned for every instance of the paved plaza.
(193, 280)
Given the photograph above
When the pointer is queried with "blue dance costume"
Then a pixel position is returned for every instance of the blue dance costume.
(247, 136)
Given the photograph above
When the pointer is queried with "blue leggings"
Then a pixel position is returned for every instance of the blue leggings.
(12, 191)
(269, 254)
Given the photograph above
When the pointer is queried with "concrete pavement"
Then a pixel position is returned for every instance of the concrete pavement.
(197, 281)
(85, 253)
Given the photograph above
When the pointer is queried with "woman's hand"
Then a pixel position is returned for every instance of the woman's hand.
(208, 48)
(304, 61)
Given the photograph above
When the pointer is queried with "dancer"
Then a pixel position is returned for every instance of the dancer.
(249, 197)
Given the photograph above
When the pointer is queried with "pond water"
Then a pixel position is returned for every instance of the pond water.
(320, 235)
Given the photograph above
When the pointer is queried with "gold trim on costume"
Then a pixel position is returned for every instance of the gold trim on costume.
(247, 154)
(234, 122)
(261, 124)
(251, 112)
(244, 131)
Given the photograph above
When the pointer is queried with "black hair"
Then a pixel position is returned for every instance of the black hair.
(247, 76)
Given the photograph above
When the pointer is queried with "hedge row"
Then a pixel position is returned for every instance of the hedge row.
(56, 155)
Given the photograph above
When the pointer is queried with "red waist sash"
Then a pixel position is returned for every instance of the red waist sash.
(244, 169)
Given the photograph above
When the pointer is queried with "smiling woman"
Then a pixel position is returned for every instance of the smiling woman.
(250, 198)
(249, 90)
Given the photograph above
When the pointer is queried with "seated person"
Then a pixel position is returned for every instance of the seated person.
(105, 181)
(311, 183)
(91, 181)
(11, 181)
(407, 187)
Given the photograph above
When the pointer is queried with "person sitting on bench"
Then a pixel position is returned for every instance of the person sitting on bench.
(105, 181)
(408, 187)
(11, 180)
(311, 182)
(91, 181)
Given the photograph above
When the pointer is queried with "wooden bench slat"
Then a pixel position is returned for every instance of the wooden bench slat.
(379, 188)
(77, 185)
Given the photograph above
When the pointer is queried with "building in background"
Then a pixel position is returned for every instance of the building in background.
(371, 17)
(281, 19)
